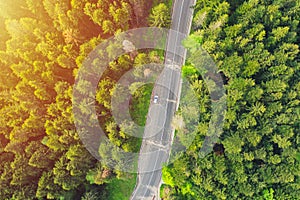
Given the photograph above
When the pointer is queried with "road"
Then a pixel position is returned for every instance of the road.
(158, 133)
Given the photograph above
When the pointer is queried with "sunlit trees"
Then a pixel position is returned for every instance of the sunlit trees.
(42, 45)
(106, 86)
(160, 16)
(111, 17)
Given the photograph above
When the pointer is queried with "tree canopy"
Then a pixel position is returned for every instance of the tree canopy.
(256, 48)
(42, 45)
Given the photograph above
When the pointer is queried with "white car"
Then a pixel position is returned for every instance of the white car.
(155, 99)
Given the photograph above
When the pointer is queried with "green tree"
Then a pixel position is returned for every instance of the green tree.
(160, 16)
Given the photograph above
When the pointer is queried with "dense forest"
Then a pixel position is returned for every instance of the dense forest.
(42, 45)
(255, 44)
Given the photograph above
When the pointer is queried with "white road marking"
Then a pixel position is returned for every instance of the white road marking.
(171, 100)
(173, 67)
(163, 147)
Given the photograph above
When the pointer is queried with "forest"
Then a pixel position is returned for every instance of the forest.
(43, 43)
(255, 45)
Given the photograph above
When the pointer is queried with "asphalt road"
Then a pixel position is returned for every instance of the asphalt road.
(158, 133)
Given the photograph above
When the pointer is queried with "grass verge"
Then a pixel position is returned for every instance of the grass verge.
(121, 189)
(140, 103)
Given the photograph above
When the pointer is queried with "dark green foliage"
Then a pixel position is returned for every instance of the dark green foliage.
(255, 45)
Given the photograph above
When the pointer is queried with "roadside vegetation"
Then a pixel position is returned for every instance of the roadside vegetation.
(255, 45)
(121, 189)
(140, 103)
